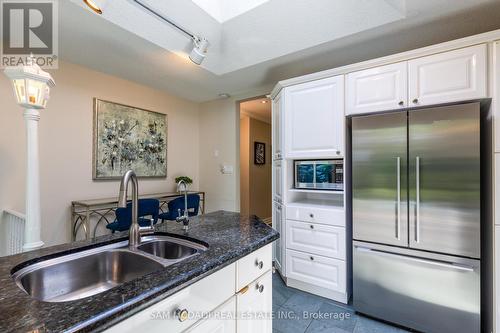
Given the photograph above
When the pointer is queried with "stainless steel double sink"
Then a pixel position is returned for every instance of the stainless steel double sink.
(86, 273)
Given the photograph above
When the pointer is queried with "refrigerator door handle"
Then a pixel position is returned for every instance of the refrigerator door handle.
(417, 205)
(444, 264)
(398, 204)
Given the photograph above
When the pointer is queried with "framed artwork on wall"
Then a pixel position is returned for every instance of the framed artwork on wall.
(259, 153)
(126, 137)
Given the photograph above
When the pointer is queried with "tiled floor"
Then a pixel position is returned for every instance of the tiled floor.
(289, 306)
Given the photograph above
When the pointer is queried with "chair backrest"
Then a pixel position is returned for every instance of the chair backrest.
(147, 207)
(178, 203)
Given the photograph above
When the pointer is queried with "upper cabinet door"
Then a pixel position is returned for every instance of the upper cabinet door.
(453, 76)
(377, 89)
(277, 128)
(314, 119)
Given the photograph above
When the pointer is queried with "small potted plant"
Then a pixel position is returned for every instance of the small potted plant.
(183, 187)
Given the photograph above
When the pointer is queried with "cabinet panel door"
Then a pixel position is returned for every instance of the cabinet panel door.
(316, 270)
(279, 244)
(254, 306)
(314, 119)
(316, 239)
(457, 75)
(277, 123)
(278, 181)
(377, 89)
(222, 320)
(253, 265)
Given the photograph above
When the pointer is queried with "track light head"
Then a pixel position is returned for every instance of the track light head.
(198, 53)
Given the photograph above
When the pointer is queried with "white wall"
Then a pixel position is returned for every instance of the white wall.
(66, 144)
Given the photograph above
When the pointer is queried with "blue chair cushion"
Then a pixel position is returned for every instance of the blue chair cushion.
(147, 207)
(178, 204)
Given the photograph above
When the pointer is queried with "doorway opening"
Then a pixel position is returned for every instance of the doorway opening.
(256, 158)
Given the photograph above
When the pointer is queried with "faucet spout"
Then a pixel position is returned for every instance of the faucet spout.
(135, 229)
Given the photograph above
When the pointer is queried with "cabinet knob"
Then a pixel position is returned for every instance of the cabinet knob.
(260, 287)
(312, 227)
(311, 257)
(415, 101)
(401, 103)
(311, 215)
(182, 315)
(338, 152)
(259, 263)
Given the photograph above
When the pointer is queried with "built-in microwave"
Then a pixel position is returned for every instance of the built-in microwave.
(319, 175)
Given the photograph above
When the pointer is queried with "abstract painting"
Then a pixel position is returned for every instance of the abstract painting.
(127, 137)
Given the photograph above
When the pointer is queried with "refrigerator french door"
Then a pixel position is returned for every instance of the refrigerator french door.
(416, 217)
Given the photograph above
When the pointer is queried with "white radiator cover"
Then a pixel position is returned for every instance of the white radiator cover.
(12, 232)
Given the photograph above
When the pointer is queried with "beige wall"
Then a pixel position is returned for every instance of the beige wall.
(219, 132)
(260, 188)
(66, 143)
(245, 165)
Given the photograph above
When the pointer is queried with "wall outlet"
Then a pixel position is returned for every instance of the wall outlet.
(227, 169)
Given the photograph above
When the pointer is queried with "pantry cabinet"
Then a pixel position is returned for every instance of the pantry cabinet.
(377, 89)
(279, 244)
(277, 125)
(314, 119)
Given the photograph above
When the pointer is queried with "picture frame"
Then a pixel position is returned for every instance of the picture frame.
(127, 137)
(259, 153)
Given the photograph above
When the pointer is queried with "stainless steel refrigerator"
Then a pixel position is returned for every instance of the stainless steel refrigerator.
(416, 217)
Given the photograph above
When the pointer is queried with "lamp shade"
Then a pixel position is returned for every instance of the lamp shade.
(31, 85)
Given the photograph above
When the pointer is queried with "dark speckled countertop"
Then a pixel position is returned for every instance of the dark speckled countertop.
(230, 236)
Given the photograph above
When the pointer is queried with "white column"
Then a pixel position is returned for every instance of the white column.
(32, 232)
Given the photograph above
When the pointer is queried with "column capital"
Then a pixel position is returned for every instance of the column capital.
(31, 114)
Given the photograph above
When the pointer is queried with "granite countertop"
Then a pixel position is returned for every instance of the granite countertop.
(230, 236)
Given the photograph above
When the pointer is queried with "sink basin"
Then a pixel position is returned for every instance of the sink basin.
(94, 271)
(83, 274)
(170, 248)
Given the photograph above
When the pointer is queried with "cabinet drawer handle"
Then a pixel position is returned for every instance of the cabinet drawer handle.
(415, 101)
(260, 287)
(311, 257)
(312, 227)
(182, 315)
(259, 263)
(401, 103)
(311, 215)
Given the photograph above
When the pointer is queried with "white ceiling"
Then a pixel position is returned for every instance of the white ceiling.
(273, 41)
(223, 10)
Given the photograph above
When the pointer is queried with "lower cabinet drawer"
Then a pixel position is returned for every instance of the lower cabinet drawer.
(253, 265)
(197, 299)
(254, 305)
(313, 238)
(316, 270)
(330, 216)
(221, 320)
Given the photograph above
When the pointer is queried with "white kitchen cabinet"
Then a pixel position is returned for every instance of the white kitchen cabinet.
(254, 306)
(212, 304)
(253, 265)
(318, 239)
(279, 244)
(278, 181)
(200, 297)
(277, 125)
(314, 119)
(221, 320)
(452, 76)
(314, 214)
(495, 88)
(323, 272)
(377, 89)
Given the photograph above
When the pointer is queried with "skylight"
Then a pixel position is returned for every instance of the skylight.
(224, 10)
